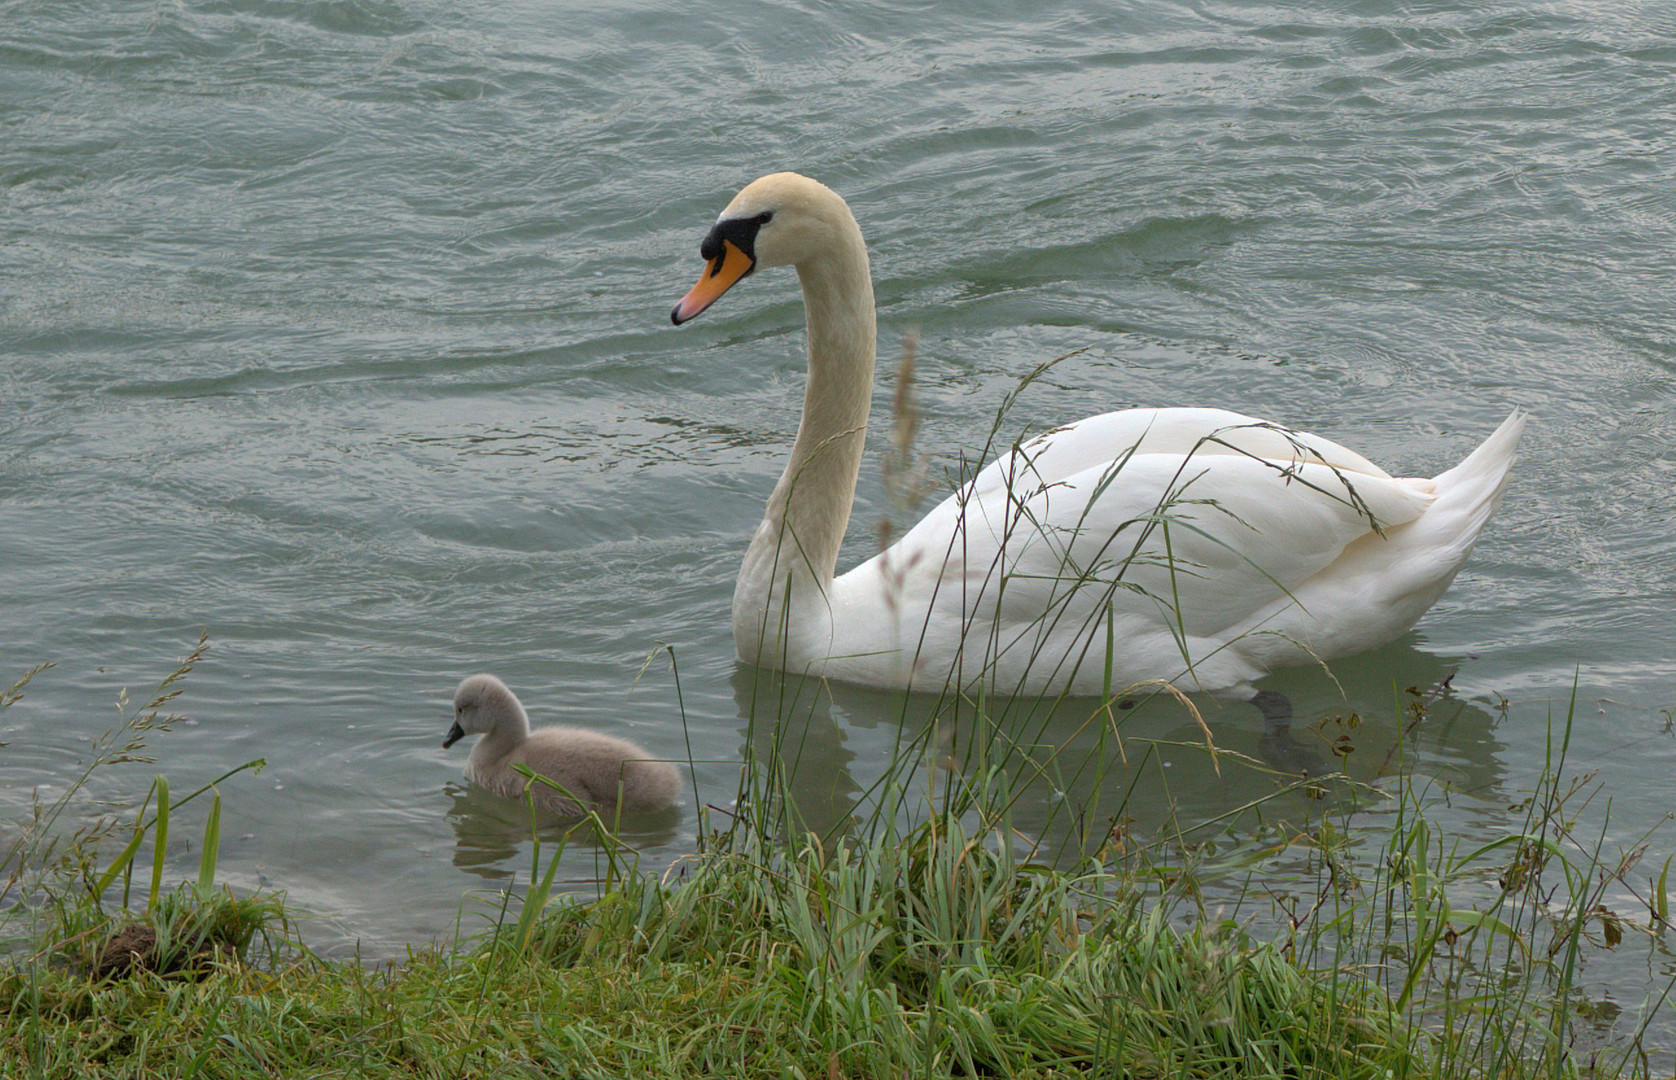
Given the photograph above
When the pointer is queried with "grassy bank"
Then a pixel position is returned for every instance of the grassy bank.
(935, 958)
(930, 939)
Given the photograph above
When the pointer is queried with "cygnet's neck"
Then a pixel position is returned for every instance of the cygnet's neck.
(510, 730)
(804, 524)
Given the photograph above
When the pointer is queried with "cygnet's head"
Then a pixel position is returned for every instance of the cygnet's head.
(782, 219)
(482, 705)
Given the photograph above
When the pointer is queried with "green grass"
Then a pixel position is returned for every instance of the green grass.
(931, 958)
(945, 947)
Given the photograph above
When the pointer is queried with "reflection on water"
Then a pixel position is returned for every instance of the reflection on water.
(1072, 770)
(489, 831)
(808, 751)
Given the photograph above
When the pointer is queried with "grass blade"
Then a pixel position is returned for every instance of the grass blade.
(160, 847)
(212, 848)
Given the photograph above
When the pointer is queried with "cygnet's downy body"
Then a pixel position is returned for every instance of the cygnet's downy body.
(595, 768)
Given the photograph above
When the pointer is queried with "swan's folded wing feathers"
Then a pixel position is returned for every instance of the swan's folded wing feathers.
(1214, 538)
(1096, 441)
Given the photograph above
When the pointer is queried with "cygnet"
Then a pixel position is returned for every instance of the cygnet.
(593, 767)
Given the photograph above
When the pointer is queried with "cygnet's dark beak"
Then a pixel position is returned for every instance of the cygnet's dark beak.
(455, 734)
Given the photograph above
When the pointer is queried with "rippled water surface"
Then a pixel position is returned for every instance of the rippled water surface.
(339, 328)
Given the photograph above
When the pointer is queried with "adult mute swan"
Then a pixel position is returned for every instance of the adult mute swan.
(1195, 545)
(601, 771)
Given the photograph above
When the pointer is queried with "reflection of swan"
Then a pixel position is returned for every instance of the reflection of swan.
(801, 744)
(593, 767)
(1207, 542)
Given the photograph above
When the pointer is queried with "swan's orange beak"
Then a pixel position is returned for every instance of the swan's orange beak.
(725, 269)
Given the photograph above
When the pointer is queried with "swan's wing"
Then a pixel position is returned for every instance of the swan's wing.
(1095, 441)
(1194, 541)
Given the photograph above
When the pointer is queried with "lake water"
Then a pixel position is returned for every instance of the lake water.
(339, 329)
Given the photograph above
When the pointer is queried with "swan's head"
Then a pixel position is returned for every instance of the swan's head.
(482, 705)
(783, 219)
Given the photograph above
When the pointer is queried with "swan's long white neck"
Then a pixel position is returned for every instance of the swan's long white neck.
(798, 540)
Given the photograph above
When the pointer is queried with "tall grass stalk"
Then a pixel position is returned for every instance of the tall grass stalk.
(67, 906)
(127, 741)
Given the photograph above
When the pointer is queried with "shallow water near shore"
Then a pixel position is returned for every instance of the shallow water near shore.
(339, 329)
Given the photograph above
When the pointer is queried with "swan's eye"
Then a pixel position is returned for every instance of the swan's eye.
(765, 217)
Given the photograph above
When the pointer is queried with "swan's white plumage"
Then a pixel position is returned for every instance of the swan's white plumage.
(1229, 565)
(1209, 547)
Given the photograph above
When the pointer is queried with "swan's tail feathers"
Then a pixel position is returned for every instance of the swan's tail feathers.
(1425, 555)
(1473, 488)
(1464, 499)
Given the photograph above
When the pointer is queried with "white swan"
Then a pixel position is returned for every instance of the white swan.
(595, 768)
(1196, 545)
